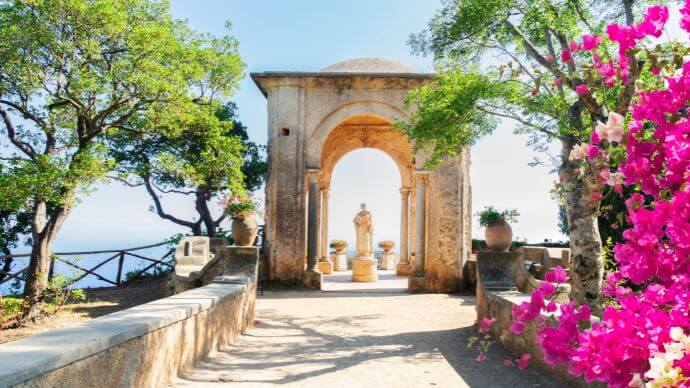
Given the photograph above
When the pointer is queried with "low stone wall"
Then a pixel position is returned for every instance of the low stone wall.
(502, 283)
(144, 346)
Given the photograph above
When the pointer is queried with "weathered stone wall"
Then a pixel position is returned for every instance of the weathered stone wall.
(503, 282)
(144, 346)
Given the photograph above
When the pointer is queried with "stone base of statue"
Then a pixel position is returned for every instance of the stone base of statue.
(340, 261)
(404, 268)
(364, 270)
(325, 267)
(387, 260)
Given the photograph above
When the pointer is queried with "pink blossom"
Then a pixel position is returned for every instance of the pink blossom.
(523, 361)
(485, 324)
(507, 362)
(481, 357)
(556, 275)
(557, 82)
(549, 58)
(573, 47)
(685, 16)
(592, 151)
(596, 196)
(591, 42)
(582, 89)
(565, 56)
(517, 327)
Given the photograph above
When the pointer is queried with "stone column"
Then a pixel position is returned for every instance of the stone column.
(404, 224)
(313, 227)
(325, 195)
(421, 180)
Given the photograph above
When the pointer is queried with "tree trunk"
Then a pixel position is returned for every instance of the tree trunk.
(45, 228)
(7, 262)
(586, 264)
(202, 197)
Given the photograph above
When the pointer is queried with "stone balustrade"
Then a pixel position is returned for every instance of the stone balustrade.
(144, 346)
(503, 282)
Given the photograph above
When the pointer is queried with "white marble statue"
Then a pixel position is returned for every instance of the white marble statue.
(364, 230)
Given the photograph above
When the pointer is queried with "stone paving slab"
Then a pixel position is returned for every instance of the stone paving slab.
(360, 338)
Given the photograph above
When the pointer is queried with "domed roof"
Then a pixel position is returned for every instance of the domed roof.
(368, 65)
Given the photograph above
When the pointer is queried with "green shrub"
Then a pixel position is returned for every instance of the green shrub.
(490, 215)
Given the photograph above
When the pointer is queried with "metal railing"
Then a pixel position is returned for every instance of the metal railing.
(109, 267)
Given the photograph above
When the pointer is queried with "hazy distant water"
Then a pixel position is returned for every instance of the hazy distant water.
(88, 261)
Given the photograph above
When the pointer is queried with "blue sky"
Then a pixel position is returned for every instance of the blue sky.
(310, 35)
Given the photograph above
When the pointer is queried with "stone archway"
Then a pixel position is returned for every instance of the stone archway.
(317, 117)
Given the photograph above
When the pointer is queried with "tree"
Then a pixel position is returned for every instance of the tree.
(517, 60)
(203, 152)
(75, 72)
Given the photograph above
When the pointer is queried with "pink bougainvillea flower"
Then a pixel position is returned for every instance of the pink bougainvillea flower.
(556, 275)
(565, 56)
(507, 362)
(557, 82)
(549, 58)
(685, 16)
(654, 21)
(485, 324)
(481, 357)
(591, 42)
(517, 327)
(593, 151)
(596, 196)
(573, 47)
(582, 89)
(523, 361)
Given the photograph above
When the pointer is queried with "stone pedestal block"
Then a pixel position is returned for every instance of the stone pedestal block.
(340, 261)
(387, 260)
(312, 279)
(403, 269)
(364, 270)
(325, 267)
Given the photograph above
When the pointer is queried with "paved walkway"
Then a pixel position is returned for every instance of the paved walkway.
(354, 335)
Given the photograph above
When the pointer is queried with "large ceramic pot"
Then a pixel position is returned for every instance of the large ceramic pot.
(244, 230)
(498, 236)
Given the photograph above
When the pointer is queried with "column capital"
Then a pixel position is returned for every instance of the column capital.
(326, 192)
(312, 174)
(421, 175)
(405, 190)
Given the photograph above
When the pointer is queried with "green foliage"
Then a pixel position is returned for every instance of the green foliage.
(490, 215)
(448, 114)
(60, 291)
(513, 52)
(239, 207)
(11, 308)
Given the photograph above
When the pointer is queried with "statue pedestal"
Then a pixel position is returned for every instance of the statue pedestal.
(340, 261)
(387, 260)
(325, 267)
(403, 269)
(364, 270)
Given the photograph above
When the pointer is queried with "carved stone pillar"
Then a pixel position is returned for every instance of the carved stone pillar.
(325, 195)
(421, 182)
(313, 215)
(405, 225)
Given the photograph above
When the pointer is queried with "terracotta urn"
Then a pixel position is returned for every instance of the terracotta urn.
(244, 230)
(498, 236)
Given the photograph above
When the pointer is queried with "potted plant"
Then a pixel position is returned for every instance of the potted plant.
(338, 245)
(498, 233)
(245, 227)
(386, 245)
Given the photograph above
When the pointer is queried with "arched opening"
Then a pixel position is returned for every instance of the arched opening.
(356, 168)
